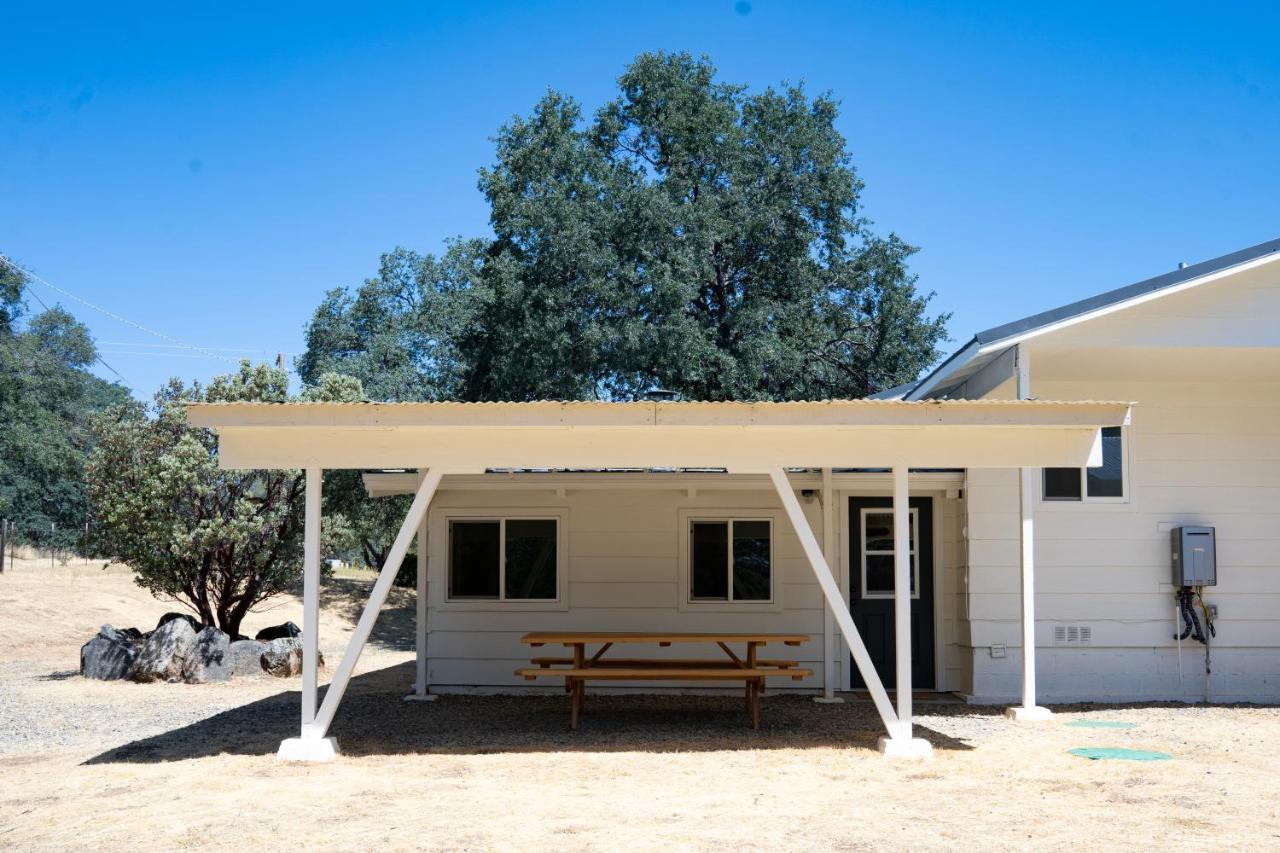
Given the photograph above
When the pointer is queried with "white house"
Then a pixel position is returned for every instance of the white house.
(971, 489)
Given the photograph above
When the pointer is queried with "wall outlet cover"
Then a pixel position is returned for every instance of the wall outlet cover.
(997, 650)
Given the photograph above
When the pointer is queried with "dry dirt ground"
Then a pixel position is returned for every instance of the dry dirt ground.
(126, 766)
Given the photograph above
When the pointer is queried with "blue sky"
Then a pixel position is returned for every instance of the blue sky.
(210, 174)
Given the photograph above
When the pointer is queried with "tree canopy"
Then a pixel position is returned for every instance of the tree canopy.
(217, 541)
(690, 235)
(47, 400)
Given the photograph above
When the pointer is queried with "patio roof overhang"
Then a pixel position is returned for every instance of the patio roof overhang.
(739, 437)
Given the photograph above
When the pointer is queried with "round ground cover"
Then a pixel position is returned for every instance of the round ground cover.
(1095, 753)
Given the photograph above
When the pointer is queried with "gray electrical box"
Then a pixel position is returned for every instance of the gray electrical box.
(1195, 556)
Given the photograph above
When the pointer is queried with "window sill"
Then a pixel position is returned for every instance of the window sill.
(730, 606)
(1086, 502)
(495, 606)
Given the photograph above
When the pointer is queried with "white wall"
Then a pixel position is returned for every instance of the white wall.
(1203, 448)
(623, 574)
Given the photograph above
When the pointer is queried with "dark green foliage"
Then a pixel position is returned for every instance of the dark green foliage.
(217, 541)
(690, 235)
(11, 283)
(47, 399)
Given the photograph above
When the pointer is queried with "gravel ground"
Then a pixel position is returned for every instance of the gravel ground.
(121, 766)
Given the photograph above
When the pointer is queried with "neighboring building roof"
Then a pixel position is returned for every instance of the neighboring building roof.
(990, 344)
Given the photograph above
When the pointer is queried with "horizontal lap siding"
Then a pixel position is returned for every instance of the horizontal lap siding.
(624, 575)
(1199, 453)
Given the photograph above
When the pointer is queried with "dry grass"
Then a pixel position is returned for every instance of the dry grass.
(125, 766)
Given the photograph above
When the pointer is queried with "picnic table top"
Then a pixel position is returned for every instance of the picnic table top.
(541, 638)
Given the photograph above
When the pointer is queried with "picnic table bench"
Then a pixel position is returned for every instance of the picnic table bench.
(577, 668)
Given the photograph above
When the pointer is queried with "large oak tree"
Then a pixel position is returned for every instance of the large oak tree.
(690, 235)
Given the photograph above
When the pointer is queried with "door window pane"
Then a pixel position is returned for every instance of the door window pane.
(879, 532)
(878, 552)
(709, 554)
(473, 559)
(879, 574)
(751, 561)
(1107, 481)
(531, 559)
(1062, 484)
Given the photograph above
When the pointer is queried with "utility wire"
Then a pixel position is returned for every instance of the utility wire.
(143, 345)
(96, 354)
(161, 335)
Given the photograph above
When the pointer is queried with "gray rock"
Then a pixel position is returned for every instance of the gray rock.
(210, 658)
(165, 652)
(110, 655)
(246, 657)
(283, 658)
(279, 632)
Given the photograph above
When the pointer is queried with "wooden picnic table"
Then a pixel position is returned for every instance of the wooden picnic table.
(578, 668)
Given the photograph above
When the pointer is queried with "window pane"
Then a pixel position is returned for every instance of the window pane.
(1108, 480)
(879, 573)
(709, 573)
(1062, 484)
(531, 559)
(879, 532)
(751, 560)
(878, 535)
(473, 559)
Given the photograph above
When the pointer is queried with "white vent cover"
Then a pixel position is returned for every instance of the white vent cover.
(1072, 635)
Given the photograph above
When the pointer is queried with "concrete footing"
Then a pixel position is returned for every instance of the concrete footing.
(828, 700)
(1023, 714)
(901, 747)
(425, 697)
(308, 749)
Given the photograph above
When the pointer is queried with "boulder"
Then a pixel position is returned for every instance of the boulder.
(279, 632)
(283, 657)
(187, 617)
(165, 652)
(245, 657)
(111, 654)
(210, 658)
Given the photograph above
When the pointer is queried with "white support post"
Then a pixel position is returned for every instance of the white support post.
(421, 617)
(901, 742)
(1028, 711)
(830, 652)
(304, 748)
(312, 745)
(830, 589)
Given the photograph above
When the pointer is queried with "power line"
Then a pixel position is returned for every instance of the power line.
(161, 335)
(165, 354)
(173, 346)
(96, 354)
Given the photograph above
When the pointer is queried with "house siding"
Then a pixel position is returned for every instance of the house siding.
(1198, 452)
(623, 565)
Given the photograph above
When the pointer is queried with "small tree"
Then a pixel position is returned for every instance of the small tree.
(218, 542)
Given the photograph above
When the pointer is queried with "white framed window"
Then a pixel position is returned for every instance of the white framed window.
(877, 555)
(728, 560)
(1108, 483)
(510, 559)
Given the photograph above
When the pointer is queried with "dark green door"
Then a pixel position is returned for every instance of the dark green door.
(871, 587)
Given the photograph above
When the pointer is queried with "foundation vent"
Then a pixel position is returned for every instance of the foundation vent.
(1072, 635)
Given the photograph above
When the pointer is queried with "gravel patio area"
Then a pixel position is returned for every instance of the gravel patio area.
(129, 766)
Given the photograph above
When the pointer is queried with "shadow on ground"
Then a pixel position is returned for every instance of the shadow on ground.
(59, 675)
(374, 720)
(394, 628)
